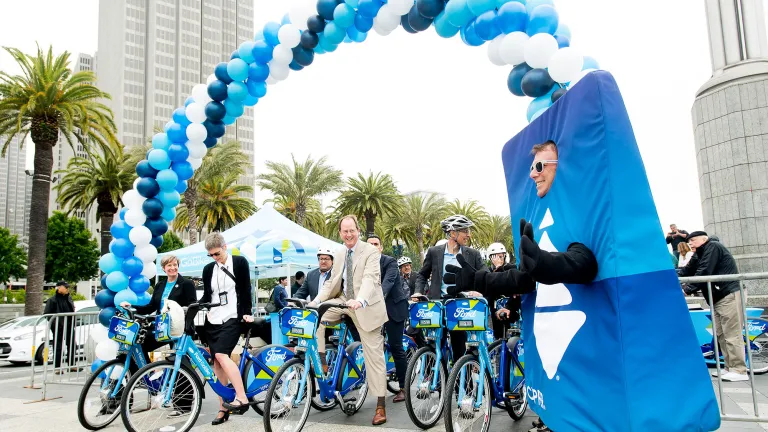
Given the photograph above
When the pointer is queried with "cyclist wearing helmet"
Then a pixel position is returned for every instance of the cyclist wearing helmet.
(505, 316)
(457, 230)
(409, 278)
(317, 277)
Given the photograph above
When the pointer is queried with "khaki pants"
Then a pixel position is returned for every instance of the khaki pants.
(730, 325)
(373, 348)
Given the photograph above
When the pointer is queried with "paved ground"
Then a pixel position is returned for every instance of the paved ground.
(18, 412)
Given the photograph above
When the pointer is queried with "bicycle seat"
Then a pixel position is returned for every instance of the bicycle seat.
(259, 321)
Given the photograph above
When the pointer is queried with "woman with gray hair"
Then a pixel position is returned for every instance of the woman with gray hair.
(227, 282)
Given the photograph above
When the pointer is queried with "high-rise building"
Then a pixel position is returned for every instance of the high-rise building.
(16, 190)
(152, 52)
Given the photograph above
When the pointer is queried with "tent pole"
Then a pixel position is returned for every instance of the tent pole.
(289, 281)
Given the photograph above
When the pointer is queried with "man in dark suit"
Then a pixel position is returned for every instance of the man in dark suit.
(316, 277)
(298, 281)
(457, 229)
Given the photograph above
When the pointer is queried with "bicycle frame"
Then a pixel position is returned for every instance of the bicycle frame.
(437, 339)
(134, 354)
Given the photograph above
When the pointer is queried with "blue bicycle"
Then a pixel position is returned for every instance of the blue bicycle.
(167, 394)
(474, 386)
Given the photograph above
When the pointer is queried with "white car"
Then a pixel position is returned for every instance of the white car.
(17, 346)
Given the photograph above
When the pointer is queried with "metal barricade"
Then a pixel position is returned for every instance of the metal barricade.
(709, 280)
(65, 341)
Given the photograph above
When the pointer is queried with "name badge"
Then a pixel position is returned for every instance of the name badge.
(223, 299)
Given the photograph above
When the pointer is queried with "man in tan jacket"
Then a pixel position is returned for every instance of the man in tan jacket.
(356, 282)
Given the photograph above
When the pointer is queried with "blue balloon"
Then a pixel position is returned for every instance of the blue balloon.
(334, 33)
(486, 27)
(286, 19)
(215, 110)
(477, 7)
(292, 66)
(305, 57)
(469, 35)
(188, 101)
(105, 316)
(344, 15)
(543, 19)
(416, 21)
(132, 266)
(237, 70)
(347, 39)
(169, 213)
(369, 8)
(327, 45)
(363, 23)
(209, 142)
(177, 133)
(407, 25)
(538, 104)
(246, 51)
(119, 228)
(257, 88)
(228, 120)
(563, 30)
(443, 27)
(144, 169)
(215, 129)
(237, 91)
(562, 41)
(125, 296)
(148, 187)
(318, 49)
(178, 152)
(181, 186)
(171, 198)
(110, 262)
(590, 63)
(512, 17)
(258, 72)
(159, 159)
(157, 226)
(117, 281)
(457, 13)
(217, 90)
(143, 299)
(430, 8)
(355, 35)
(235, 55)
(157, 241)
(270, 34)
(161, 141)
(167, 179)
(153, 207)
(180, 116)
(530, 5)
(536, 82)
(353, 3)
(262, 52)
(122, 247)
(105, 298)
(138, 284)
(515, 78)
(234, 108)
(557, 94)
(96, 365)
(221, 72)
(325, 8)
(185, 172)
(168, 125)
(250, 101)
(316, 23)
(104, 281)
(122, 213)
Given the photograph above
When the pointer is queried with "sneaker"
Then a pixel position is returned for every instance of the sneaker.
(722, 371)
(735, 377)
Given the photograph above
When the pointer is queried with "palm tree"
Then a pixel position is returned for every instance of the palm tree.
(219, 205)
(48, 101)
(500, 230)
(301, 182)
(101, 179)
(421, 214)
(369, 197)
(314, 218)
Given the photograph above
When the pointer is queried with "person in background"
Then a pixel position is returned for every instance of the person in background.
(505, 316)
(61, 302)
(675, 237)
(298, 281)
(279, 294)
(316, 277)
(684, 254)
(409, 277)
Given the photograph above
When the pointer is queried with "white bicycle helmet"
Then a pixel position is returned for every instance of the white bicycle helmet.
(403, 261)
(496, 248)
(324, 251)
(455, 223)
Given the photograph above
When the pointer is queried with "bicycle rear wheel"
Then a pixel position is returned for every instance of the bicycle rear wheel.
(424, 404)
(95, 408)
(281, 404)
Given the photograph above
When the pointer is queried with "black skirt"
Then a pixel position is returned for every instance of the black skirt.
(222, 338)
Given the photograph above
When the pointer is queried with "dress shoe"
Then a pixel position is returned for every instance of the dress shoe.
(380, 417)
(399, 397)
(219, 420)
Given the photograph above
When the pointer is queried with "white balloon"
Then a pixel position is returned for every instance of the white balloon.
(289, 35)
(197, 150)
(140, 235)
(386, 21)
(271, 80)
(400, 7)
(539, 49)
(282, 55)
(279, 72)
(581, 75)
(131, 198)
(107, 349)
(565, 64)
(150, 270)
(195, 162)
(211, 78)
(99, 333)
(299, 14)
(512, 48)
(196, 112)
(135, 184)
(493, 51)
(117, 371)
(200, 94)
(135, 217)
(146, 253)
(196, 132)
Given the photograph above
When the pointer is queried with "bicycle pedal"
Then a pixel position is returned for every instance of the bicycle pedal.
(511, 395)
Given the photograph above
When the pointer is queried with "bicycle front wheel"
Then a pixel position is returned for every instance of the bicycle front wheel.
(285, 410)
(423, 401)
(462, 411)
(96, 408)
(149, 404)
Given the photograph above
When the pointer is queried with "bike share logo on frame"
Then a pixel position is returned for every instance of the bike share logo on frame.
(274, 355)
(425, 314)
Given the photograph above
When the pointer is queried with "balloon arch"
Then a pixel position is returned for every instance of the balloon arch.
(526, 35)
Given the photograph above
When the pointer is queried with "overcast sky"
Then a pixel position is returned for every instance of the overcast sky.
(435, 113)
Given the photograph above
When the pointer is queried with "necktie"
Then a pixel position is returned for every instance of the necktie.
(349, 293)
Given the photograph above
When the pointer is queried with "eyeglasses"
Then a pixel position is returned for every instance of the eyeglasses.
(325, 259)
(215, 254)
(464, 231)
(539, 166)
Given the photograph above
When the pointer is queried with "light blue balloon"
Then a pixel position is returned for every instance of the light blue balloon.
(590, 63)
(543, 19)
(126, 295)
(477, 7)
(334, 33)
(234, 108)
(443, 27)
(344, 15)
(500, 3)
(169, 198)
(169, 214)
(159, 159)
(530, 5)
(237, 91)
(458, 14)
(143, 299)
(246, 51)
(117, 281)
(541, 102)
(250, 100)
(237, 69)
(110, 263)
(538, 113)
(563, 30)
(167, 179)
(228, 119)
(161, 141)
(353, 3)
(259, 35)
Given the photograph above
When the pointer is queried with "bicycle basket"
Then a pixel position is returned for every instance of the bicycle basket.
(300, 323)
(123, 331)
(466, 314)
(427, 315)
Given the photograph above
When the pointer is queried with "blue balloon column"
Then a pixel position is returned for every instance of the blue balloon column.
(527, 35)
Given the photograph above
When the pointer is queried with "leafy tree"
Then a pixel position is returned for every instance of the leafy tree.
(218, 206)
(13, 260)
(370, 197)
(314, 218)
(72, 254)
(500, 230)
(477, 214)
(48, 101)
(300, 182)
(171, 242)
(420, 220)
